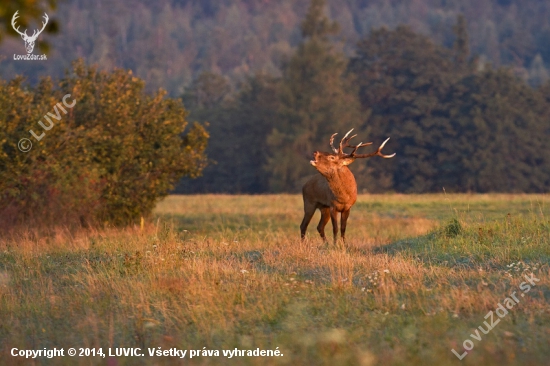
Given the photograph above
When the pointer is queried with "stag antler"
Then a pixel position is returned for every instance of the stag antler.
(35, 33)
(331, 143)
(345, 143)
(13, 19)
(377, 152)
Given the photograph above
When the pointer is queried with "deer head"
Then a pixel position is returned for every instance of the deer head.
(29, 40)
(328, 163)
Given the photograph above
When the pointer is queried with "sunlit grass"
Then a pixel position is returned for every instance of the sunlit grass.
(417, 275)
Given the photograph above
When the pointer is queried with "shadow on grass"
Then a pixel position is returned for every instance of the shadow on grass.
(216, 222)
(489, 246)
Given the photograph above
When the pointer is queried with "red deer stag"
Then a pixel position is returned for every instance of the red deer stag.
(334, 189)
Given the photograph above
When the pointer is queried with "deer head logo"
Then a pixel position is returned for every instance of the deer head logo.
(29, 40)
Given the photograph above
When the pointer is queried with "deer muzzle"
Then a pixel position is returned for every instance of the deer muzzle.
(314, 161)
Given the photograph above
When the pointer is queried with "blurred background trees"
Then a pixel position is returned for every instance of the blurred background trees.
(463, 91)
(168, 43)
(457, 121)
(316, 98)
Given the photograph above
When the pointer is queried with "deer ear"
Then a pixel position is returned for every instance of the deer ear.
(347, 161)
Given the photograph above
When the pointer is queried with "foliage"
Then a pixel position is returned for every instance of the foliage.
(401, 76)
(317, 99)
(109, 159)
(455, 122)
(453, 228)
(239, 128)
(169, 43)
(500, 128)
(458, 129)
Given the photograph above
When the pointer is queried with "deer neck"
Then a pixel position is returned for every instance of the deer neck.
(342, 184)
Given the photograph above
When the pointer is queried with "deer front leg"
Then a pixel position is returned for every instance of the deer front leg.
(345, 215)
(334, 219)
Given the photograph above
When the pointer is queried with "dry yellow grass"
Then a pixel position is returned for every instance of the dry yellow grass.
(222, 272)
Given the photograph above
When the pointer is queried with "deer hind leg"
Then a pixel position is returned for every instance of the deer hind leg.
(309, 210)
(325, 216)
(334, 219)
(344, 220)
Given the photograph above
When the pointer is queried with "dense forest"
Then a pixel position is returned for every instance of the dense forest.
(169, 42)
(456, 121)
(460, 87)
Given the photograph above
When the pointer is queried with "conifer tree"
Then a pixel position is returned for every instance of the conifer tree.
(317, 99)
(461, 46)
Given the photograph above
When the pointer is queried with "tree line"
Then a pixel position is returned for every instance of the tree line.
(456, 122)
(168, 43)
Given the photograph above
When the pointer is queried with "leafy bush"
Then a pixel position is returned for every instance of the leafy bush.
(107, 160)
(453, 228)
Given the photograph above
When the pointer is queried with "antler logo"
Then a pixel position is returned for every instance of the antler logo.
(29, 41)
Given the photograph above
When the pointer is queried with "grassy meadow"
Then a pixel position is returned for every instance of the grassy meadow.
(416, 277)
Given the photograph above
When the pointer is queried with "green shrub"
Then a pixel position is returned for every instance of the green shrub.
(453, 228)
(107, 160)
